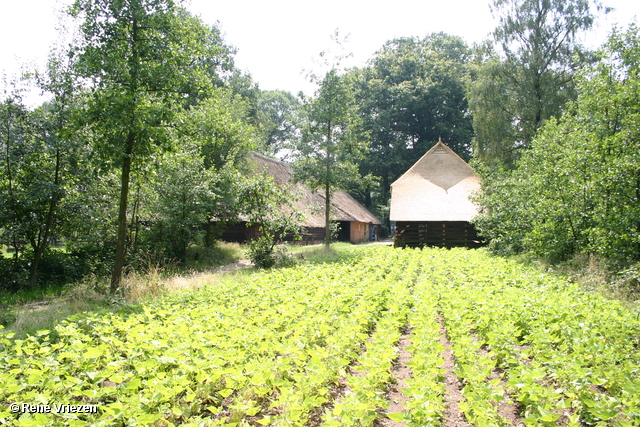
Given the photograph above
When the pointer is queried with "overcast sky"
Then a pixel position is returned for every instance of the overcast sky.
(276, 40)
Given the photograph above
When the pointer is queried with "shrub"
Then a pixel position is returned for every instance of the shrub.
(56, 269)
(264, 254)
(261, 252)
(7, 316)
(13, 274)
(201, 258)
(283, 258)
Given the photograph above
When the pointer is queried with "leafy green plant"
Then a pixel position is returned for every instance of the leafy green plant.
(261, 252)
(270, 348)
(575, 190)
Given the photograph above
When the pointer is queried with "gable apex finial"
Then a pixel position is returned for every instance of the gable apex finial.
(440, 139)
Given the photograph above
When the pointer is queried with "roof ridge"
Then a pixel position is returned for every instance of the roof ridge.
(436, 187)
(438, 146)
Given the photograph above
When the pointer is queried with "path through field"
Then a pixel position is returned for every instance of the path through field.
(381, 337)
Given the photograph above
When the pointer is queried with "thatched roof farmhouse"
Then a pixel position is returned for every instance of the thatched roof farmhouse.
(355, 221)
(430, 203)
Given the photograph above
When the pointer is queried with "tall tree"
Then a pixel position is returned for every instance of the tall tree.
(411, 94)
(143, 59)
(577, 189)
(15, 131)
(332, 140)
(37, 147)
(56, 136)
(529, 77)
(278, 111)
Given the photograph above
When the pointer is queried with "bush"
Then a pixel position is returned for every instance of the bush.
(59, 268)
(283, 258)
(261, 252)
(56, 269)
(7, 316)
(264, 254)
(13, 274)
(94, 259)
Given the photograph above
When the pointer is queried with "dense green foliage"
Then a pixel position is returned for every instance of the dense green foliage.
(141, 149)
(410, 94)
(529, 77)
(41, 166)
(141, 57)
(260, 197)
(271, 349)
(577, 189)
(279, 112)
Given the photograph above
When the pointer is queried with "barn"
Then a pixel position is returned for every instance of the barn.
(356, 223)
(430, 202)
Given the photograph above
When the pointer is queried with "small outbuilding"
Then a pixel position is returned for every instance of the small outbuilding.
(431, 203)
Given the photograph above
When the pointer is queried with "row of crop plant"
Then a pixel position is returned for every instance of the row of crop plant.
(568, 357)
(366, 388)
(265, 350)
(271, 348)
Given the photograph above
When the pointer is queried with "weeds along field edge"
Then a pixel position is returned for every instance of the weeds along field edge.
(272, 349)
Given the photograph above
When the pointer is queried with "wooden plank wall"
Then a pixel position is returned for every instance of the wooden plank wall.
(311, 236)
(241, 233)
(234, 232)
(446, 234)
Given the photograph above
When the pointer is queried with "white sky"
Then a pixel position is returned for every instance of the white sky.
(277, 39)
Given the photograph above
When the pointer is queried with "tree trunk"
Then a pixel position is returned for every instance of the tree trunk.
(7, 145)
(367, 199)
(121, 238)
(208, 232)
(133, 227)
(327, 215)
(16, 249)
(386, 190)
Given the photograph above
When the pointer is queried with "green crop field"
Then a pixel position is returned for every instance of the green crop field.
(278, 348)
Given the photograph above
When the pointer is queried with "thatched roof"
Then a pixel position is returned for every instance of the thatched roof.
(436, 188)
(312, 203)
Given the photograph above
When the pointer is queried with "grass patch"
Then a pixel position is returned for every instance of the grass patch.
(45, 315)
(89, 295)
(313, 248)
(197, 280)
(337, 252)
(202, 259)
(29, 310)
(28, 295)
